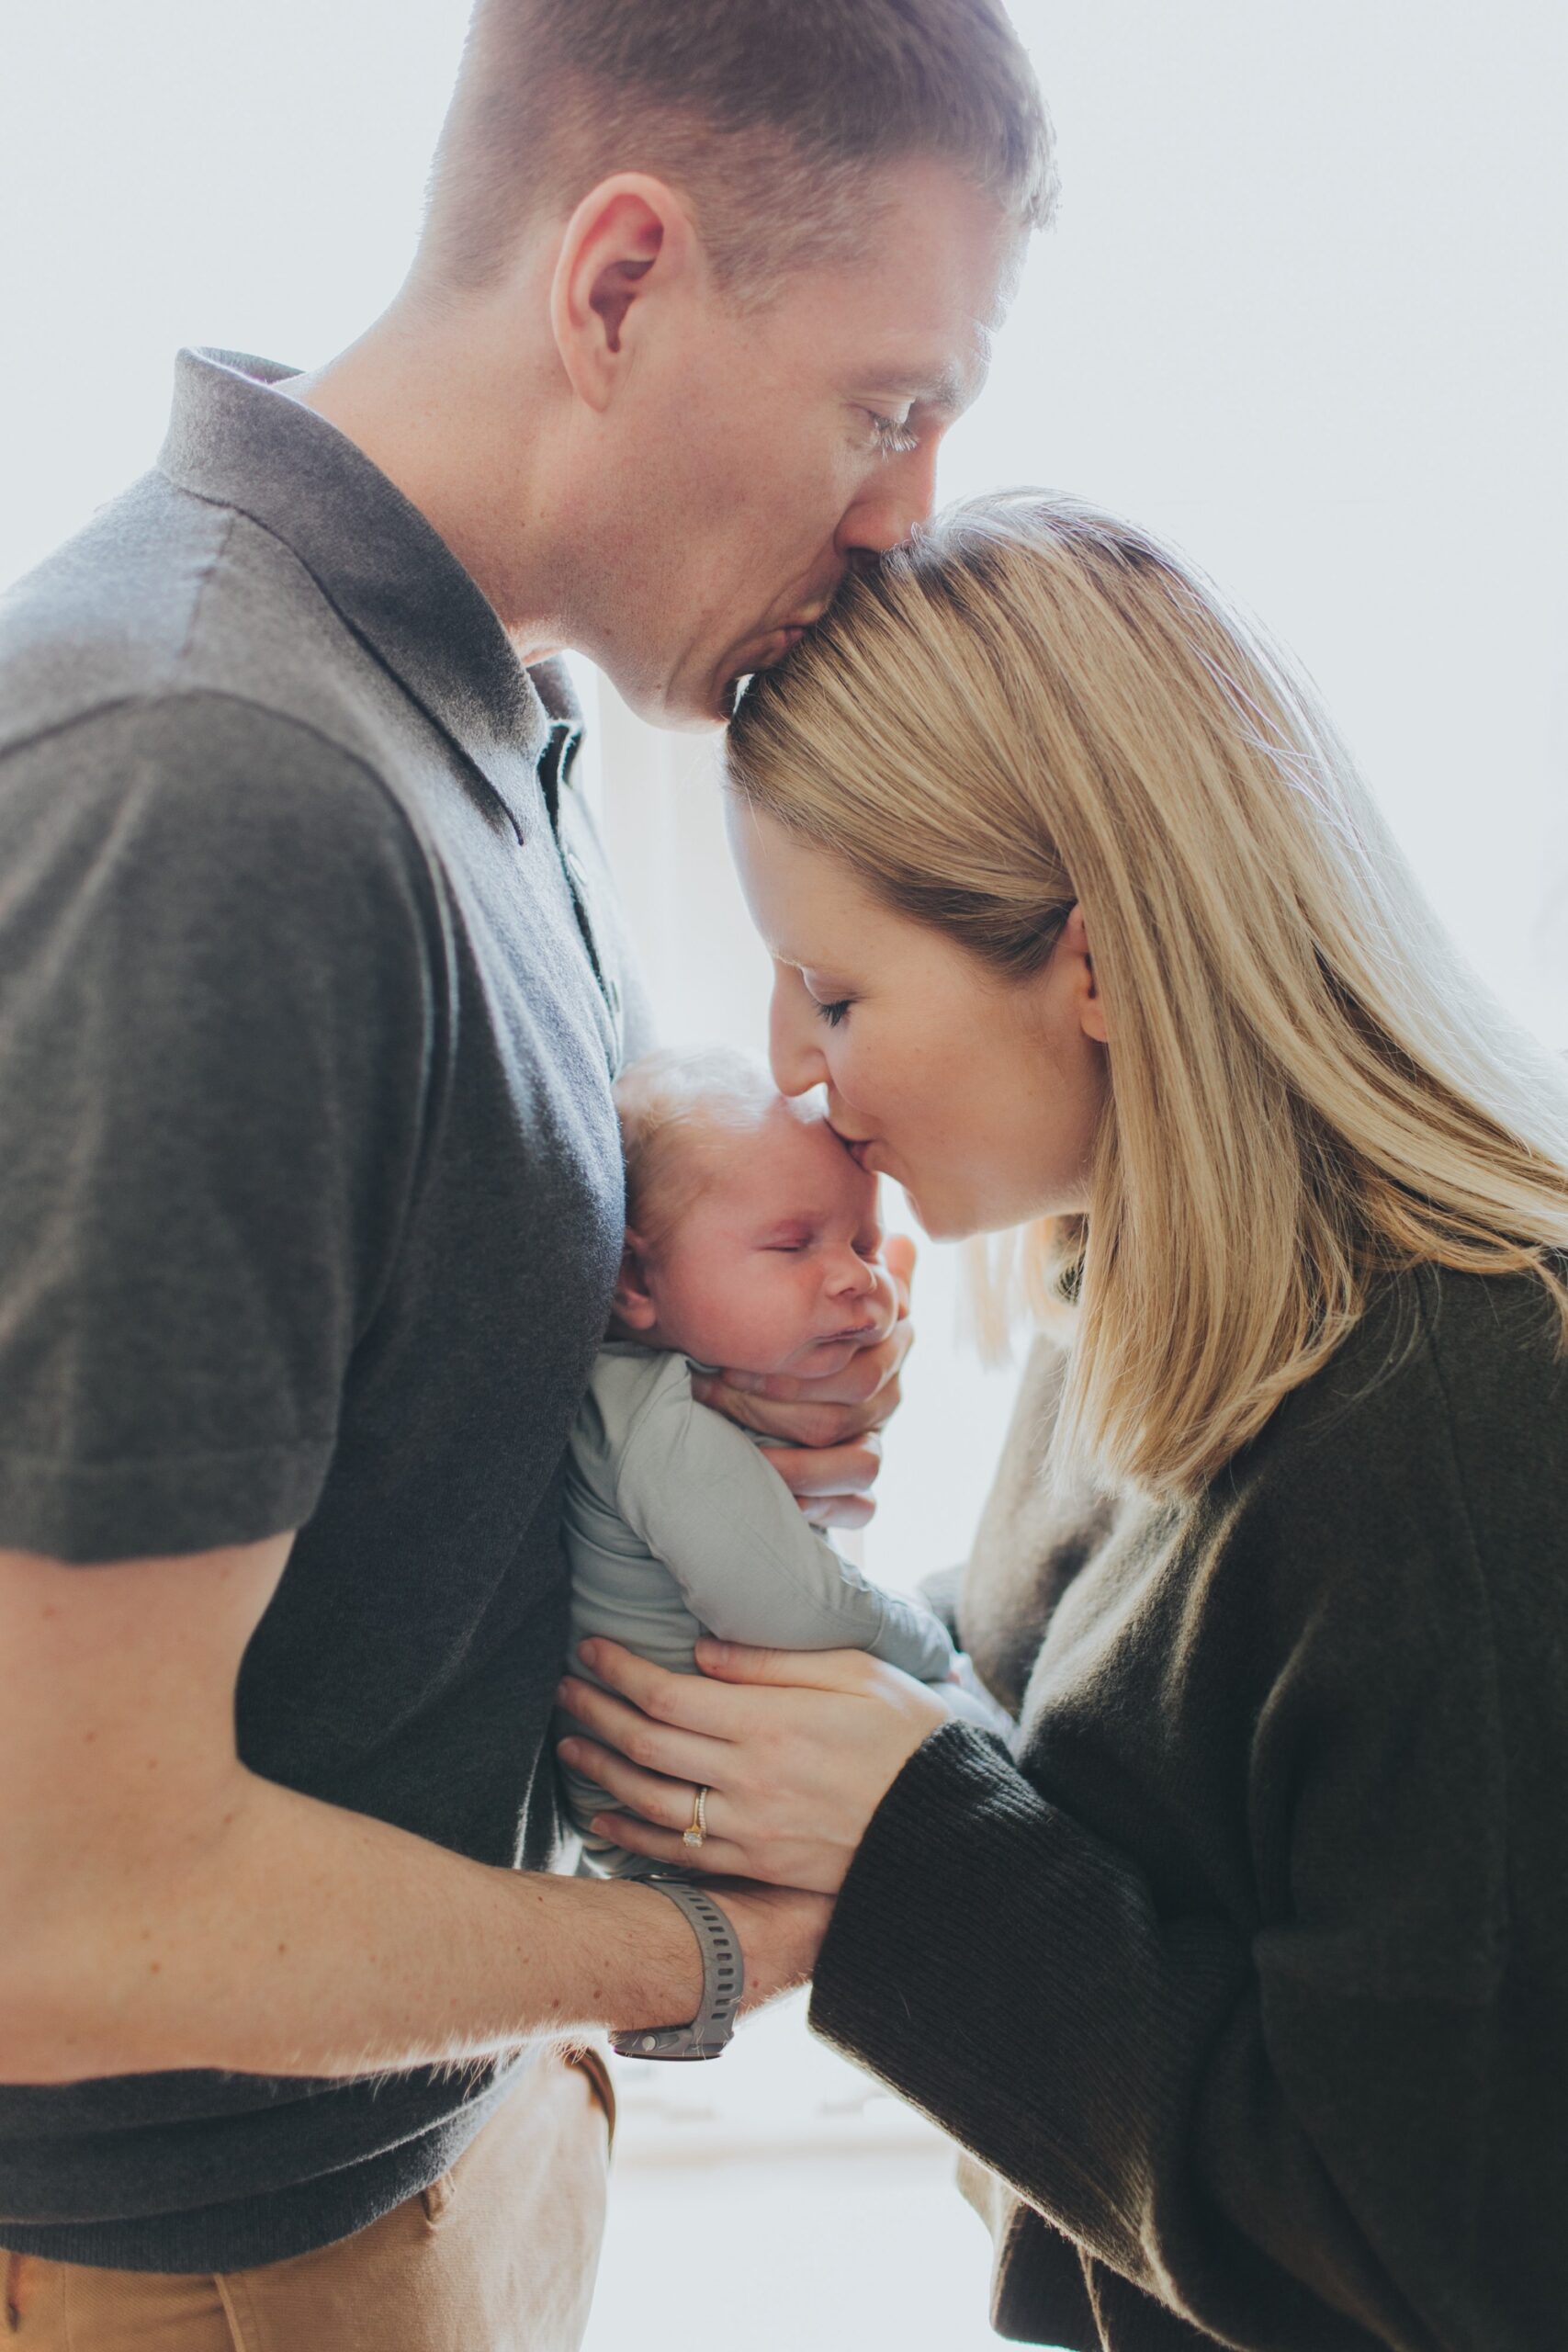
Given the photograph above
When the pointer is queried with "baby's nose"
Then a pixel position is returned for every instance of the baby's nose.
(853, 1272)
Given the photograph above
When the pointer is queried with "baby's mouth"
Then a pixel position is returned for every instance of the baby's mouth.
(856, 1331)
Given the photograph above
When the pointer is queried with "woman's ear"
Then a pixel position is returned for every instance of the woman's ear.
(1089, 1003)
(634, 1302)
(629, 242)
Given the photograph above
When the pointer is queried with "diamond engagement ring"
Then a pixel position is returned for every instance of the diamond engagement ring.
(697, 1828)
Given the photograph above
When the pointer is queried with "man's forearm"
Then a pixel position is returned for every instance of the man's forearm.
(293, 1937)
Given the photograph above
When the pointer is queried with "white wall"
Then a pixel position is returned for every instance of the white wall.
(1304, 310)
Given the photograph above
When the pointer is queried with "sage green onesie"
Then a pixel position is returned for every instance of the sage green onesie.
(676, 1526)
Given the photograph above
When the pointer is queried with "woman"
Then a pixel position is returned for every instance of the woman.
(1244, 1978)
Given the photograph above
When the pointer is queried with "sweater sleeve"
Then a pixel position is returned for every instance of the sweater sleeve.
(750, 1565)
(1327, 2111)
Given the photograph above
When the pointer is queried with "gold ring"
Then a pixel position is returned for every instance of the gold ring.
(697, 1829)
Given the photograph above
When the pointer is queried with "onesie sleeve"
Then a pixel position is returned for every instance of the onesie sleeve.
(221, 966)
(750, 1563)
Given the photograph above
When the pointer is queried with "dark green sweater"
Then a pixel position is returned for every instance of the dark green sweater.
(1248, 1981)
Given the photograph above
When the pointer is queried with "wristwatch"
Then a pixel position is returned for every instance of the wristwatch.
(723, 1981)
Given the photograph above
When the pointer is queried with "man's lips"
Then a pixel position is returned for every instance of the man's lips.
(772, 648)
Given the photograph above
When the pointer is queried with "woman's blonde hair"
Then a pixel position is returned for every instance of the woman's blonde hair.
(1035, 705)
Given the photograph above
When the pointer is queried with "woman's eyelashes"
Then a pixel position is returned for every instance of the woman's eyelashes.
(823, 1002)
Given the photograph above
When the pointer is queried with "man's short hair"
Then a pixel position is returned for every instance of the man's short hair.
(770, 117)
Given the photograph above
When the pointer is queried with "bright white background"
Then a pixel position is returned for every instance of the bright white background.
(1304, 310)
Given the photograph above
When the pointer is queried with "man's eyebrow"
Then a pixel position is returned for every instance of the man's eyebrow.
(953, 386)
(948, 389)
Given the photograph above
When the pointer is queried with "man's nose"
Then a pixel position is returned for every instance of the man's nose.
(901, 494)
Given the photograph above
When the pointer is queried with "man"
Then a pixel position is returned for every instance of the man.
(310, 1003)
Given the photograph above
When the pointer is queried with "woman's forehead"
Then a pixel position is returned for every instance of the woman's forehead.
(810, 906)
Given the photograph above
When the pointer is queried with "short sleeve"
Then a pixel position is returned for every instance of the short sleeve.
(217, 1003)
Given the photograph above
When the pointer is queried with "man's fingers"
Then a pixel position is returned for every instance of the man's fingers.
(762, 1403)
(829, 1469)
(898, 1257)
(747, 1396)
(814, 1424)
(847, 1511)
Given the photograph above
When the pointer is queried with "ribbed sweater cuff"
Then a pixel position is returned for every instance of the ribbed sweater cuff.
(1002, 1969)
(912, 1938)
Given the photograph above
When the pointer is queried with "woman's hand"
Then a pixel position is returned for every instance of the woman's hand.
(835, 1454)
(797, 1750)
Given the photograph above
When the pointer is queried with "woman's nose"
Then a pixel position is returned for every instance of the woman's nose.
(793, 1052)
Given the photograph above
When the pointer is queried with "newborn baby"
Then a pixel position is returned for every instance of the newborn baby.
(752, 1242)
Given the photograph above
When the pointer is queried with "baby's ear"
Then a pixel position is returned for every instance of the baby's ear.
(634, 1306)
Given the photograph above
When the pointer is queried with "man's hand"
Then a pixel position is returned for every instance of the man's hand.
(833, 1462)
(781, 1930)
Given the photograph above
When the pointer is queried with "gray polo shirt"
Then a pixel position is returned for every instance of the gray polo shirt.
(310, 1207)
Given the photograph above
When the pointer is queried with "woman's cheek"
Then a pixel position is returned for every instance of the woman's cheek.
(849, 1071)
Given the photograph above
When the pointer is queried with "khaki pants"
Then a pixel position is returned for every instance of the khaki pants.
(498, 2255)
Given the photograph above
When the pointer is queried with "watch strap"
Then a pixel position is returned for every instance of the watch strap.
(723, 1981)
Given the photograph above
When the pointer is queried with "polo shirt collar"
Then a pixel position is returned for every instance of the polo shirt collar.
(236, 441)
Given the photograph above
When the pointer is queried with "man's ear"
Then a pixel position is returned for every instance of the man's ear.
(630, 241)
(634, 1302)
(1074, 943)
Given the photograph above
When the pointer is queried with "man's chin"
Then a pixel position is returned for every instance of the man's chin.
(698, 705)
(692, 707)
(678, 705)
(688, 718)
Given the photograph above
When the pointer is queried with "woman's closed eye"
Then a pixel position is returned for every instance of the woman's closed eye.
(832, 1013)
